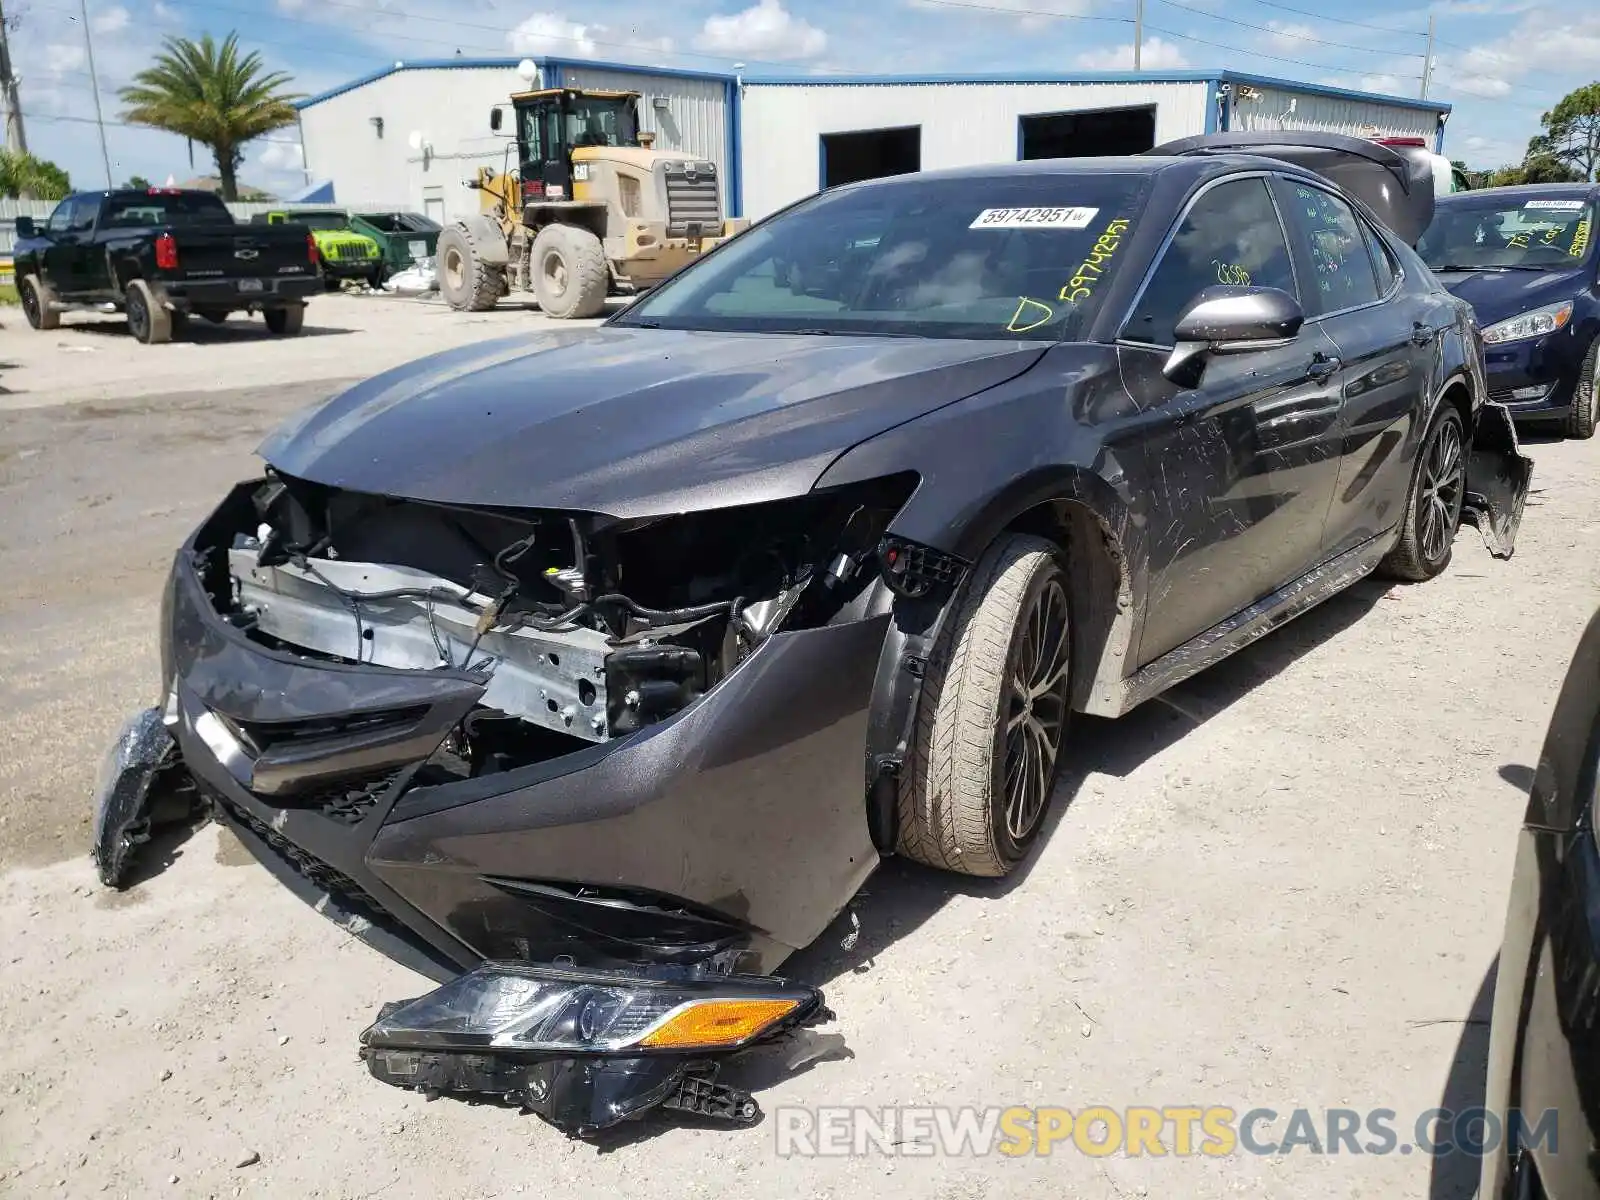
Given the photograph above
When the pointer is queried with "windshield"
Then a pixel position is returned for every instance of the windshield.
(1487, 233)
(1003, 257)
(592, 122)
(184, 208)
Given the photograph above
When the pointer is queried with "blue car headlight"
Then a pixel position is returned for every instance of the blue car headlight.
(1534, 323)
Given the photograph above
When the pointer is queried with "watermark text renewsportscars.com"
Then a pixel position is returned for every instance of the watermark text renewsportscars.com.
(1153, 1132)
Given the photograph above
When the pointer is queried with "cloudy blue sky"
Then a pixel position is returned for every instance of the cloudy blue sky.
(1502, 62)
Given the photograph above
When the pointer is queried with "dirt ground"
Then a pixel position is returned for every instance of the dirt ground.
(1282, 885)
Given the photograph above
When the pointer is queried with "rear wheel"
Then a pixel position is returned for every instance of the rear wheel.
(570, 279)
(467, 283)
(148, 321)
(1433, 505)
(992, 717)
(1586, 400)
(285, 321)
(37, 303)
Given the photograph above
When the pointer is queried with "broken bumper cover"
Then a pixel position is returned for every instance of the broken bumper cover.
(586, 1050)
(1499, 476)
(141, 785)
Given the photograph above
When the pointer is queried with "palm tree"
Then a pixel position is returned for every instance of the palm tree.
(22, 175)
(212, 95)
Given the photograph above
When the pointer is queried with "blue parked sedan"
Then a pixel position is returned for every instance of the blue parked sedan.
(1525, 259)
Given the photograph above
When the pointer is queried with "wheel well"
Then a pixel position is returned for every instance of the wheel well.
(1098, 589)
(592, 219)
(1458, 395)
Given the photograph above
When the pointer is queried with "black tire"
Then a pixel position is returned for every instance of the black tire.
(376, 277)
(148, 320)
(286, 321)
(976, 733)
(570, 279)
(37, 301)
(467, 283)
(332, 283)
(1586, 400)
(1433, 502)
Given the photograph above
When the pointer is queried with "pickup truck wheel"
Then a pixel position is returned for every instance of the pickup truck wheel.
(1586, 400)
(1433, 504)
(570, 278)
(992, 717)
(467, 283)
(37, 299)
(285, 321)
(148, 321)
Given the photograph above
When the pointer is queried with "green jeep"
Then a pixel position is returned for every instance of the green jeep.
(345, 254)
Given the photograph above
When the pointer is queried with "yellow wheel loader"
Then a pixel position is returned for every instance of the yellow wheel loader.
(591, 210)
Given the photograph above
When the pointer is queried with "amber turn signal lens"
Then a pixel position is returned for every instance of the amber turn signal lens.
(713, 1023)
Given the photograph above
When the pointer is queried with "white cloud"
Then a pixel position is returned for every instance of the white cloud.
(1286, 35)
(281, 156)
(1389, 85)
(1030, 14)
(1157, 55)
(766, 30)
(110, 20)
(60, 57)
(549, 33)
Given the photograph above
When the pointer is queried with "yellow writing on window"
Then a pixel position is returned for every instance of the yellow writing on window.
(1580, 239)
(1089, 271)
(1231, 273)
(1035, 312)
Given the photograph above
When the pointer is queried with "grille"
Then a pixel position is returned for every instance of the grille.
(349, 802)
(328, 878)
(350, 252)
(692, 199)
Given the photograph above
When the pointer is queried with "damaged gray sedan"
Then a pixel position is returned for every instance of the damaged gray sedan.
(592, 674)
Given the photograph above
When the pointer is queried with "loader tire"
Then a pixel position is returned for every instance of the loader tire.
(992, 716)
(467, 283)
(38, 303)
(1433, 502)
(570, 278)
(1586, 399)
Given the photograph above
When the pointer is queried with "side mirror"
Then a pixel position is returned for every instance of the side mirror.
(1230, 320)
(26, 228)
(495, 118)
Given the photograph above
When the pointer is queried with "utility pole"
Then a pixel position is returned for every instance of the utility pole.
(94, 83)
(10, 101)
(1138, 31)
(1427, 58)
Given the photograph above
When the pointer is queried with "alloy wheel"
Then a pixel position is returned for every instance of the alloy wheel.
(1036, 709)
(1442, 493)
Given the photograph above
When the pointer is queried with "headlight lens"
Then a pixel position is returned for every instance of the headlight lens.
(1534, 323)
(516, 1006)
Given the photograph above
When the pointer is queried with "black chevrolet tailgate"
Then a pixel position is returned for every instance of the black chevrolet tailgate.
(241, 252)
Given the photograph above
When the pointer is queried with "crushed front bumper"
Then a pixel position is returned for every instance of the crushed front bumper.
(719, 839)
(1499, 476)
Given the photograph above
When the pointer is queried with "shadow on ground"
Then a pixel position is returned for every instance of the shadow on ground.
(1455, 1176)
(204, 333)
(900, 896)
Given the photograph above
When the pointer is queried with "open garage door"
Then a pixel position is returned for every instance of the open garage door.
(1091, 134)
(870, 154)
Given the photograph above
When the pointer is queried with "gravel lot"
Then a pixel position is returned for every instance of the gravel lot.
(1280, 886)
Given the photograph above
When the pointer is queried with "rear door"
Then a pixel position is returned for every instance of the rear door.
(1384, 332)
(1242, 466)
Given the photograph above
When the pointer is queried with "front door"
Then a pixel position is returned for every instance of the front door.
(1384, 334)
(71, 228)
(1241, 468)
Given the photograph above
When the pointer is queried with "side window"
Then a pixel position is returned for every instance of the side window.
(1231, 235)
(61, 217)
(1382, 259)
(1331, 242)
(84, 211)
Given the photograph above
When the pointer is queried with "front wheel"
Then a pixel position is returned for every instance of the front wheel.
(38, 303)
(570, 278)
(1433, 504)
(285, 321)
(1586, 400)
(992, 716)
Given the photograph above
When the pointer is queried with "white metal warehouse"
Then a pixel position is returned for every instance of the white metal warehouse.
(415, 132)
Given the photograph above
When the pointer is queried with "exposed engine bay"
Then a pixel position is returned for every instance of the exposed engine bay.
(585, 628)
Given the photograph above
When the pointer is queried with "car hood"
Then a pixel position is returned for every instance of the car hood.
(1496, 295)
(629, 422)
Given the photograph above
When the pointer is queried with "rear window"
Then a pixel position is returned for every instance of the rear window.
(199, 208)
(997, 257)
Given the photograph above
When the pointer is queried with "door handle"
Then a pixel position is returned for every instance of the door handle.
(1322, 366)
(1422, 334)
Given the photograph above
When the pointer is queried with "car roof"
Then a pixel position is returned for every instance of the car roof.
(1528, 191)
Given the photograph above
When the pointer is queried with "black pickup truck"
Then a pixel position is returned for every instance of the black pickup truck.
(159, 255)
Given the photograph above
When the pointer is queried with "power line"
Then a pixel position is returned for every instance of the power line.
(1023, 12)
(1303, 37)
(1299, 62)
(1317, 16)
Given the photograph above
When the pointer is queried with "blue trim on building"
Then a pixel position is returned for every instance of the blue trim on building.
(732, 120)
(1213, 89)
(1318, 89)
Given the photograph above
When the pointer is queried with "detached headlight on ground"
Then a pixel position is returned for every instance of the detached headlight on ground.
(586, 1049)
(514, 1007)
(1534, 323)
